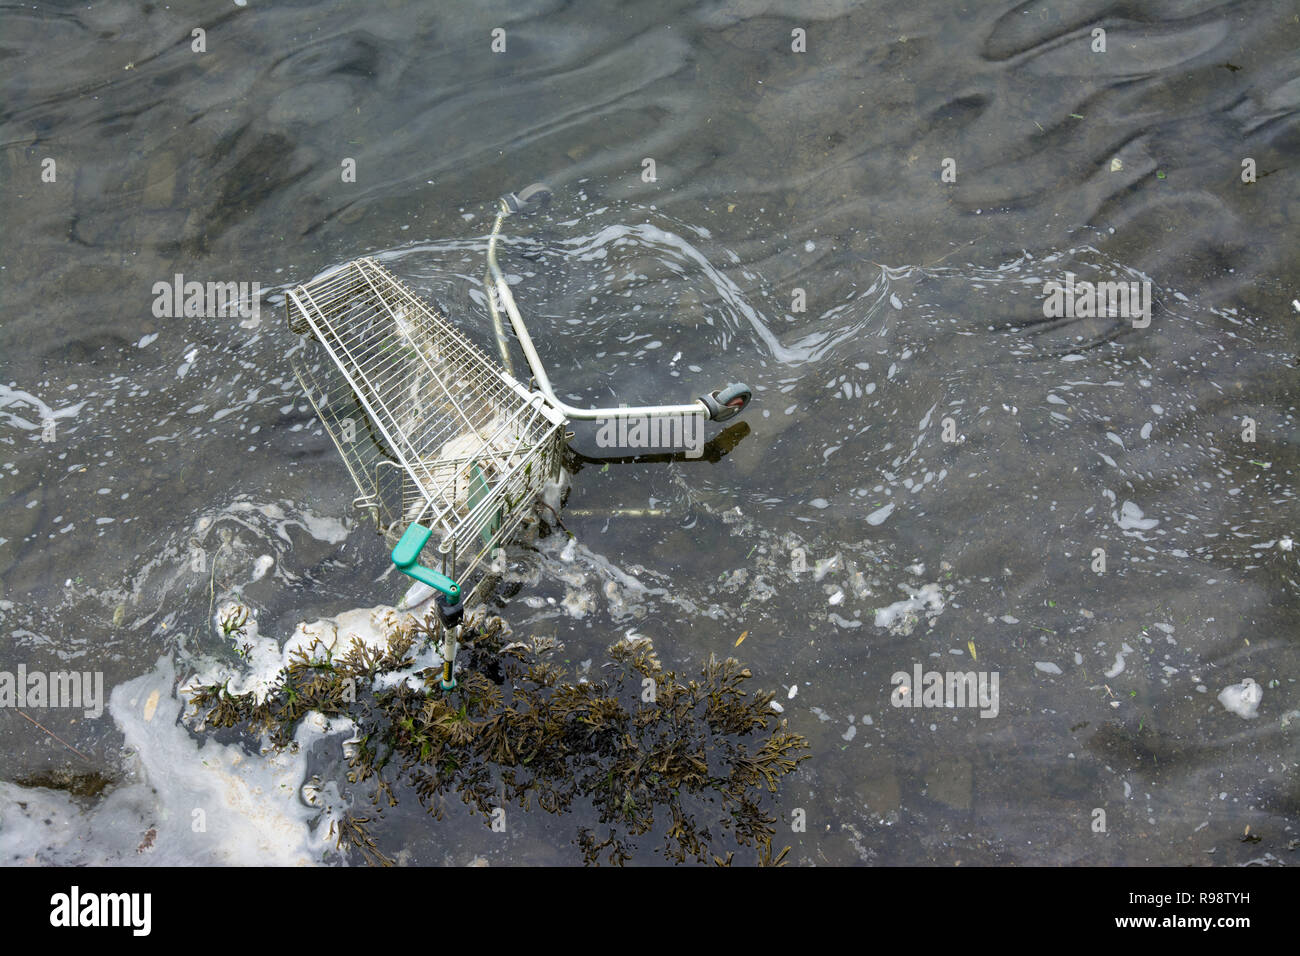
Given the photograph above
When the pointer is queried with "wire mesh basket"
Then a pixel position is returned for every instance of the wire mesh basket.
(440, 442)
(431, 432)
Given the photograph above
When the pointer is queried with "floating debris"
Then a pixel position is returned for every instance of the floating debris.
(1242, 699)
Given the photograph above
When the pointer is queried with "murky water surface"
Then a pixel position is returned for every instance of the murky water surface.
(800, 236)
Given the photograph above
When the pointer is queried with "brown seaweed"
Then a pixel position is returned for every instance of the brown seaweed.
(638, 748)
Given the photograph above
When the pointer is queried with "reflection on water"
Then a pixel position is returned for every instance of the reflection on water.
(934, 472)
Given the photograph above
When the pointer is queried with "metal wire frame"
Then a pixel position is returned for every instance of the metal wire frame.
(369, 464)
(449, 440)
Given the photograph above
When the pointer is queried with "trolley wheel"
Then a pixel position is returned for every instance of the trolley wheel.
(529, 199)
(727, 402)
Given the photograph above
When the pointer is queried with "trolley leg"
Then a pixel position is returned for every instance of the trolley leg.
(450, 644)
(452, 616)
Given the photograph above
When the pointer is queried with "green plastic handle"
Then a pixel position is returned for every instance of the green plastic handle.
(406, 556)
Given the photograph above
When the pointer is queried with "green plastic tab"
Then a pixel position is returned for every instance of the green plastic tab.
(407, 554)
(478, 490)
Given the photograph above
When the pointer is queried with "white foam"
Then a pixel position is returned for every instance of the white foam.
(206, 803)
(1118, 667)
(1242, 699)
(1131, 517)
(878, 516)
(926, 597)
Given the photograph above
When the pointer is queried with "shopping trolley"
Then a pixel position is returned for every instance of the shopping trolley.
(440, 442)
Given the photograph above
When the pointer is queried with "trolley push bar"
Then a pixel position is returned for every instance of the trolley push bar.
(718, 405)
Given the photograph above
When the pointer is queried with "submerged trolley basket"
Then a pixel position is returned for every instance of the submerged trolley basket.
(446, 448)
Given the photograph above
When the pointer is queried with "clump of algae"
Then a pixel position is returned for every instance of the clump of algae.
(639, 748)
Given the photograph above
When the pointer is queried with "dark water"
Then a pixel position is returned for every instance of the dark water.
(776, 171)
